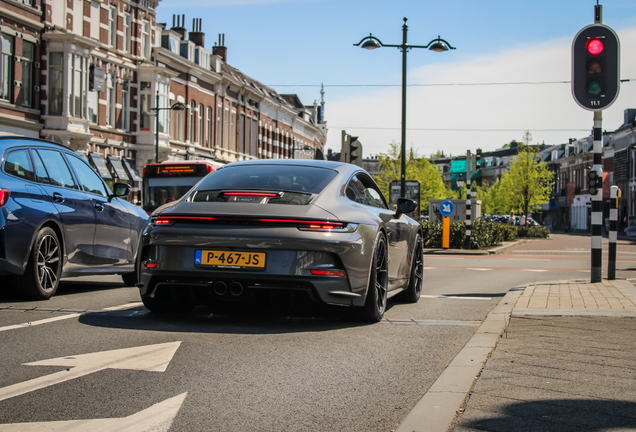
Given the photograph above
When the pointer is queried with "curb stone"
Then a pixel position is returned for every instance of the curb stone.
(437, 409)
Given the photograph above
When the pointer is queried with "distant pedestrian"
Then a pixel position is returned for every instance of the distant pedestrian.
(512, 217)
(522, 219)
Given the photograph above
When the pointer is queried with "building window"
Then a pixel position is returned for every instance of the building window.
(78, 92)
(112, 25)
(145, 40)
(93, 106)
(233, 121)
(6, 68)
(193, 121)
(241, 132)
(111, 100)
(254, 137)
(56, 83)
(200, 132)
(144, 106)
(163, 103)
(127, 32)
(124, 106)
(226, 127)
(219, 127)
(28, 56)
(208, 127)
(178, 129)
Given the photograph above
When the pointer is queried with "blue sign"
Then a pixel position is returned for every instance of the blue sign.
(446, 208)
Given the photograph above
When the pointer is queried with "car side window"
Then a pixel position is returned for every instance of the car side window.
(18, 163)
(89, 181)
(355, 191)
(374, 196)
(58, 171)
(40, 171)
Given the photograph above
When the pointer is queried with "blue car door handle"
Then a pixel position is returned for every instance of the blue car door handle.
(57, 197)
(99, 207)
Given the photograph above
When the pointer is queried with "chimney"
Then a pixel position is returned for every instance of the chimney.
(196, 35)
(180, 27)
(220, 49)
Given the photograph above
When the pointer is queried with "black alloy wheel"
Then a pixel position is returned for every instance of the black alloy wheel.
(376, 301)
(42, 276)
(414, 290)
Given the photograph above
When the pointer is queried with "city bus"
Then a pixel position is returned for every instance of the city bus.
(168, 181)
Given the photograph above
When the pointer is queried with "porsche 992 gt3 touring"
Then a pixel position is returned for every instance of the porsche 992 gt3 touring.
(271, 230)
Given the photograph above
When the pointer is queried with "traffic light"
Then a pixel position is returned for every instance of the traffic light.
(595, 67)
(595, 182)
(355, 151)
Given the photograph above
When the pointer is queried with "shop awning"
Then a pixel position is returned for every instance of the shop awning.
(118, 168)
(132, 170)
(100, 166)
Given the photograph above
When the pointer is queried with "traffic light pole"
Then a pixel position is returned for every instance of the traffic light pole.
(611, 261)
(597, 201)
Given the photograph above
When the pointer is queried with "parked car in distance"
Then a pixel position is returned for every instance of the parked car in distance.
(274, 232)
(58, 218)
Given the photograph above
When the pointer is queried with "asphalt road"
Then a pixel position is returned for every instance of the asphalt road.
(309, 372)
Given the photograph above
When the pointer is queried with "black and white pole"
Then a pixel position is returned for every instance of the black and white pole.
(468, 213)
(597, 200)
(613, 216)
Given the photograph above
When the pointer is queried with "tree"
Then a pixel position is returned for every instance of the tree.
(529, 181)
(430, 178)
(437, 154)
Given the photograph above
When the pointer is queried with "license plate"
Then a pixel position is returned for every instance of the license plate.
(230, 259)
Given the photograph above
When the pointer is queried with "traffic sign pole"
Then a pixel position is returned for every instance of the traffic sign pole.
(445, 233)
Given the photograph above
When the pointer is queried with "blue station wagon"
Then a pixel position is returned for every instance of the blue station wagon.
(58, 218)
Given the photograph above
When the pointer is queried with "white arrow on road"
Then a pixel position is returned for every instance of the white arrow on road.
(152, 358)
(157, 418)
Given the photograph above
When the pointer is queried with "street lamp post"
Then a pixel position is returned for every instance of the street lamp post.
(438, 45)
(175, 107)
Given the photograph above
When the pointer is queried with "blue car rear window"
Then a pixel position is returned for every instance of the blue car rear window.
(269, 178)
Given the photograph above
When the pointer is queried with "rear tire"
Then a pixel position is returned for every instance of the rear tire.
(414, 290)
(42, 275)
(376, 301)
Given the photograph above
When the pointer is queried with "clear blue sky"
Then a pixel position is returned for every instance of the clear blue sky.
(309, 42)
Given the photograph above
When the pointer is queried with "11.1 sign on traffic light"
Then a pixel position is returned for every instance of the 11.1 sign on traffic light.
(595, 67)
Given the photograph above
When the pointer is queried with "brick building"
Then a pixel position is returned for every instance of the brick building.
(88, 74)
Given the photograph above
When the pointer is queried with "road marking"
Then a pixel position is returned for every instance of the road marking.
(441, 296)
(480, 269)
(429, 268)
(157, 418)
(566, 251)
(151, 358)
(443, 257)
(431, 322)
(526, 259)
(63, 317)
(534, 270)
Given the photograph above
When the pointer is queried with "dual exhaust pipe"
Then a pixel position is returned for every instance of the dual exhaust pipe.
(235, 289)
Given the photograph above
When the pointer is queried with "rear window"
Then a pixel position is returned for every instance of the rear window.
(292, 178)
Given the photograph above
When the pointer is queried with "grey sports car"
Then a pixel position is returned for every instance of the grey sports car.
(272, 231)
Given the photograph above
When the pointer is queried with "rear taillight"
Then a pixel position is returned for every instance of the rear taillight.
(4, 196)
(252, 194)
(147, 265)
(327, 272)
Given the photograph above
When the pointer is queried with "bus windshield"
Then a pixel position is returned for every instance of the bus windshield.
(167, 182)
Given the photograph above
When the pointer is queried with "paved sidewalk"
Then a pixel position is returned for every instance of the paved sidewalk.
(566, 362)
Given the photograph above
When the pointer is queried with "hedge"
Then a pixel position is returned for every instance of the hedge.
(483, 234)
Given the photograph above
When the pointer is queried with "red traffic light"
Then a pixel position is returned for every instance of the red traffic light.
(594, 46)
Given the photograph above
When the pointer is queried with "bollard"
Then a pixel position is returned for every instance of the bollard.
(611, 261)
(445, 233)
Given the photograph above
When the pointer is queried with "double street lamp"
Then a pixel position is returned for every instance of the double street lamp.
(460, 183)
(175, 107)
(438, 45)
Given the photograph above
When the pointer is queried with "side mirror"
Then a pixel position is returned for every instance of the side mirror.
(404, 205)
(121, 190)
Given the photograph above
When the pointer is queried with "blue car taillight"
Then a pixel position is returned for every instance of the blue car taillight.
(4, 196)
